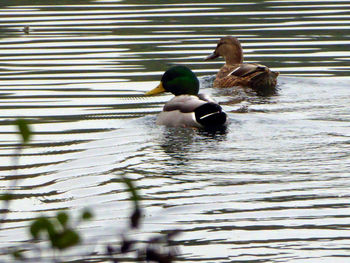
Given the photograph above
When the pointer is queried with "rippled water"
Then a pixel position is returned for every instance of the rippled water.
(273, 188)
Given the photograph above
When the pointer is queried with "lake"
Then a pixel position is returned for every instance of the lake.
(273, 188)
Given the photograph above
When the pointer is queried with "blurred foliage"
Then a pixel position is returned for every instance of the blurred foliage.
(25, 134)
(136, 215)
(24, 130)
(60, 232)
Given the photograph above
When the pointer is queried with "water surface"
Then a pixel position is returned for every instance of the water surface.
(273, 188)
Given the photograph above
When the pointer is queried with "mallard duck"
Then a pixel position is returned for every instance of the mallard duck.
(236, 73)
(187, 108)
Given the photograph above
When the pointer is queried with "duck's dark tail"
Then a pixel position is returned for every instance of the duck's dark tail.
(210, 115)
(264, 83)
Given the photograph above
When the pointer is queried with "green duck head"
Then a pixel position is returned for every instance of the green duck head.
(179, 80)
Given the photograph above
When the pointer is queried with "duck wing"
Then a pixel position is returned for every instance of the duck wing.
(192, 111)
(206, 98)
(243, 70)
(183, 103)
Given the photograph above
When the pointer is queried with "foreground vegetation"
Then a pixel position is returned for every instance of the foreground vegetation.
(59, 233)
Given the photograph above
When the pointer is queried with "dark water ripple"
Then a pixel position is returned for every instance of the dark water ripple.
(274, 188)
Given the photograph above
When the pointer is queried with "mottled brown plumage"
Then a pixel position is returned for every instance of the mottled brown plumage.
(236, 73)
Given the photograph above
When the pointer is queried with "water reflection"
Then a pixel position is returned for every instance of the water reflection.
(183, 143)
(177, 143)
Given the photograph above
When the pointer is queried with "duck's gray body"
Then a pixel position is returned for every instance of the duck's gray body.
(180, 111)
(187, 108)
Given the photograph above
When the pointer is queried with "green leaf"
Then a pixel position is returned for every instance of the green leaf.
(131, 188)
(87, 214)
(41, 224)
(135, 218)
(17, 254)
(63, 218)
(24, 130)
(6, 197)
(68, 238)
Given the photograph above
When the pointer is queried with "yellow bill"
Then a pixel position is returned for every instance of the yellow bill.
(156, 90)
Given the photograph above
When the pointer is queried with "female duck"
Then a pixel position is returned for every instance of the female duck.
(236, 73)
(187, 108)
